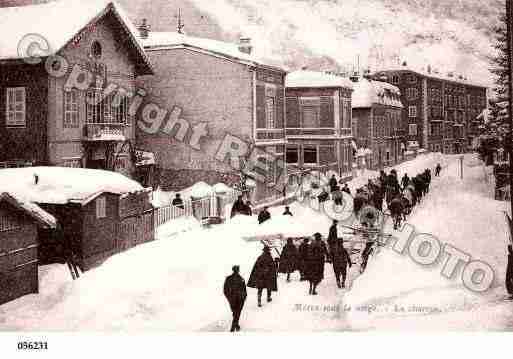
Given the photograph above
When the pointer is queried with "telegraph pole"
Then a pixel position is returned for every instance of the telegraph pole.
(509, 27)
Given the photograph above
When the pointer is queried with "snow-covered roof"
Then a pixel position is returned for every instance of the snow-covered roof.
(434, 74)
(171, 40)
(308, 79)
(72, 16)
(33, 210)
(198, 190)
(61, 185)
(221, 187)
(369, 92)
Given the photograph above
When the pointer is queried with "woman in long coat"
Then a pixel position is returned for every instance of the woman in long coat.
(289, 259)
(264, 275)
(315, 263)
(341, 260)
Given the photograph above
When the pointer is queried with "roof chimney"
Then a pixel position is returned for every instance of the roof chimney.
(429, 69)
(245, 45)
(450, 74)
(405, 64)
(144, 29)
(355, 77)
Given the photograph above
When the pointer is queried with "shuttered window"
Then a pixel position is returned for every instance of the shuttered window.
(8, 223)
(101, 207)
(70, 108)
(292, 155)
(15, 113)
(310, 155)
(310, 112)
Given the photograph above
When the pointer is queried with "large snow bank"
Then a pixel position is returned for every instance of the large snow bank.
(60, 185)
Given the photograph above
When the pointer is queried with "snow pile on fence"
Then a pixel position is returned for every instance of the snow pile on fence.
(59, 185)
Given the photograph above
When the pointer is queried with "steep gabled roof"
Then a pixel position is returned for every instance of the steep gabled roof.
(52, 26)
(175, 40)
(42, 217)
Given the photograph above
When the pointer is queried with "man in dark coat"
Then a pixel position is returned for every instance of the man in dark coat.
(323, 197)
(333, 183)
(264, 215)
(264, 275)
(248, 211)
(396, 210)
(304, 249)
(332, 237)
(346, 189)
(337, 196)
(438, 169)
(509, 272)
(289, 259)
(340, 260)
(235, 293)
(287, 211)
(238, 207)
(358, 201)
(315, 263)
(405, 180)
(177, 201)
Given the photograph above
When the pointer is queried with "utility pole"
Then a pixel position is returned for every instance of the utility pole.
(509, 19)
(180, 25)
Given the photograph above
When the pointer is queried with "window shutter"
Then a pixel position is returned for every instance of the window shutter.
(279, 108)
(292, 108)
(327, 112)
(260, 106)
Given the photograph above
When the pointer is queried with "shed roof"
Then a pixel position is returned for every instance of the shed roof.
(39, 215)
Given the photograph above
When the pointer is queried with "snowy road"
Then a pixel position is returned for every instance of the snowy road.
(175, 283)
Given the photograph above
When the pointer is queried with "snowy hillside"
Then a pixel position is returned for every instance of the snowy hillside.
(329, 34)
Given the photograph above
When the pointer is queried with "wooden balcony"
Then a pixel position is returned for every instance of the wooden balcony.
(105, 132)
(314, 132)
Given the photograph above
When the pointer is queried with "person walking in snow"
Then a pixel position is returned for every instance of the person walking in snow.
(238, 207)
(346, 189)
(405, 181)
(264, 215)
(333, 183)
(437, 170)
(177, 201)
(289, 259)
(264, 276)
(315, 263)
(248, 211)
(332, 237)
(287, 211)
(337, 196)
(509, 272)
(340, 261)
(304, 249)
(235, 292)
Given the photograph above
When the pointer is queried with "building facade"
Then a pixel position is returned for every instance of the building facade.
(222, 89)
(378, 127)
(70, 107)
(439, 109)
(318, 123)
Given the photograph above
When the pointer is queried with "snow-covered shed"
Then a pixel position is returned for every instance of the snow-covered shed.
(19, 224)
(98, 212)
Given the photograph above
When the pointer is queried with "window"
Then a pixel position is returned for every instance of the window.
(110, 109)
(8, 223)
(310, 108)
(310, 155)
(96, 50)
(292, 155)
(101, 207)
(70, 108)
(346, 113)
(412, 129)
(412, 111)
(412, 79)
(15, 111)
(269, 112)
(412, 93)
(395, 79)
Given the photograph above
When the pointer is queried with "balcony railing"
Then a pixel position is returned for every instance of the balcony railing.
(105, 132)
(270, 134)
(318, 132)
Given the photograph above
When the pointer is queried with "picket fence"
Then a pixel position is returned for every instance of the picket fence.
(211, 206)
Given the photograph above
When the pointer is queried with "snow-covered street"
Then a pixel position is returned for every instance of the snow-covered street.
(175, 283)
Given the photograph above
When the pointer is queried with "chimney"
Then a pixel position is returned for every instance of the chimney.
(144, 29)
(355, 77)
(429, 69)
(405, 64)
(450, 74)
(245, 45)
